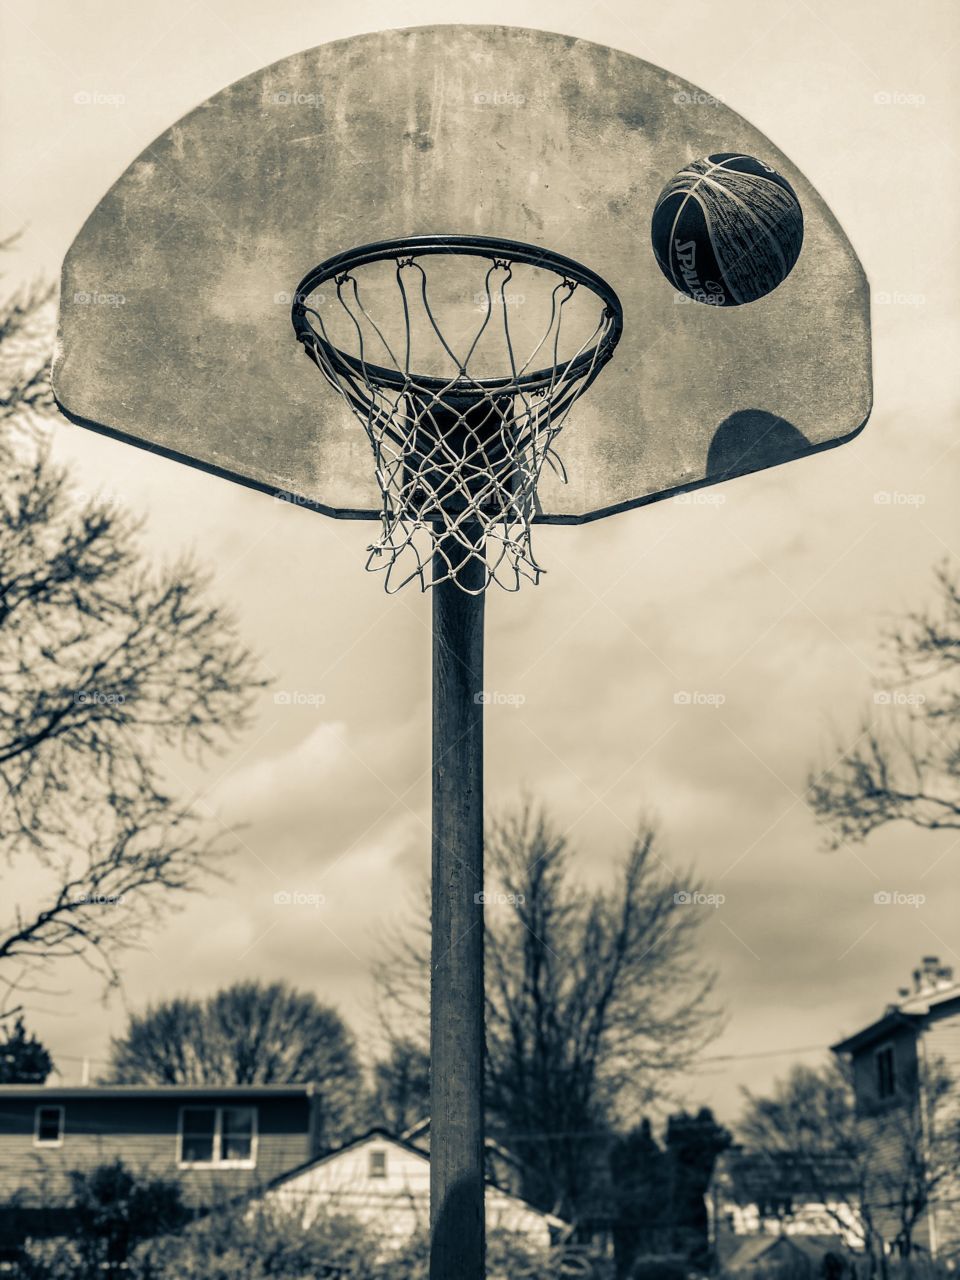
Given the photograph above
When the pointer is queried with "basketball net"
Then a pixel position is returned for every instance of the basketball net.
(458, 458)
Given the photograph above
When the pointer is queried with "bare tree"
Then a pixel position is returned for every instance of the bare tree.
(594, 997)
(248, 1033)
(110, 669)
(401, 1086)
(876, 1170)
(808, 1128)
(24, 362)
(906, 768)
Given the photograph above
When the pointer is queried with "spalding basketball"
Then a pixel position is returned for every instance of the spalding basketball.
(727, 230)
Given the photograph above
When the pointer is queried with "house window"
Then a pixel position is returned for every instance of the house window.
(377, 1166)
(218, 1136)
(48, 1127)
(775, 1207)
(886, 1072)
(236, 1133)
(198, 1133)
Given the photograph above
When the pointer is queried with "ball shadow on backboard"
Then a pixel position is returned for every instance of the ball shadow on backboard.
(751, 440)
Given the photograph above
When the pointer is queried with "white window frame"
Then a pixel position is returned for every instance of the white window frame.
(217, 1163)
(44, 1143)
(886, 1048)
(379, 1176)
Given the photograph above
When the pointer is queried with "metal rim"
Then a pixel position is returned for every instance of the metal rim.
(588, 362)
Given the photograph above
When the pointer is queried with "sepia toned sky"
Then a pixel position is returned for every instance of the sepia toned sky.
(772, 597)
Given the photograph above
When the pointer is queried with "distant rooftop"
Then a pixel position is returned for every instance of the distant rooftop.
(90, 1091)
(934, 986)
(933, 983)
(755, 1175)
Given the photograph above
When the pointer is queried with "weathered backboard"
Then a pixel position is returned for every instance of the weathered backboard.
(175, 328)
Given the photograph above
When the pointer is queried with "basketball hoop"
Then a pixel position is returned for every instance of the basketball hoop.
(459, 440)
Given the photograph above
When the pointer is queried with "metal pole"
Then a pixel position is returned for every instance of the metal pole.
(456, 986)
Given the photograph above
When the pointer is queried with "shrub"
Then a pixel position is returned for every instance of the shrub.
(266, 1242)
(52, 1260)
(115, 1209)
(508, 1258)
(660, 1267)
(260, 1243)
(112, 1210)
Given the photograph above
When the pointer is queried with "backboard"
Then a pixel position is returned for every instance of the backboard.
(175, 326)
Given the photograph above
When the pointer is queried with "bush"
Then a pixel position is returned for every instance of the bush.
(52, 1260)
(266, 1242)
(115, 1209)
(920, 1267)
(508, 1258)
(112, 1211)
(273, 1244)
(665, 1267)
(258, 1243)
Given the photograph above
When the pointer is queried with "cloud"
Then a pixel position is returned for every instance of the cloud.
(278, 785)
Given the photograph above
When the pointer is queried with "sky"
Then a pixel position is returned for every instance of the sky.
(773, 596)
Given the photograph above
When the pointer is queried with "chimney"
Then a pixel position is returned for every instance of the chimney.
(932, 975)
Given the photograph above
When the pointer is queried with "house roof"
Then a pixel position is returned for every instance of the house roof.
(893, 1020)
(755, 1248)
(931, 1000)
(47, 1093)
(751, 1175)
(375, 1134)
(913, 1011)
(383, 1135)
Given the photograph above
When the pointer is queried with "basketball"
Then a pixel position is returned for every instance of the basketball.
(727, 230)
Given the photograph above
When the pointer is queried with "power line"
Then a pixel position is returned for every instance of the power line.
(768, 1053)
(79, 1057)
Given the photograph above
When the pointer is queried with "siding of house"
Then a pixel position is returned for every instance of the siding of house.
(904, 1044)
(806, 1218)
(396, 1204)
(884, 1122)
(929, 1035)
(142, 1131)
(940, 1044)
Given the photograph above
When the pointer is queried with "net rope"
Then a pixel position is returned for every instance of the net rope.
(458, 459)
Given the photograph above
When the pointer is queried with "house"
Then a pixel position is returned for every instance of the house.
(384, 1180)
(217, 1142)
(596, 1221)
(759, 1196)
(900, 1063)
(822, 1257)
